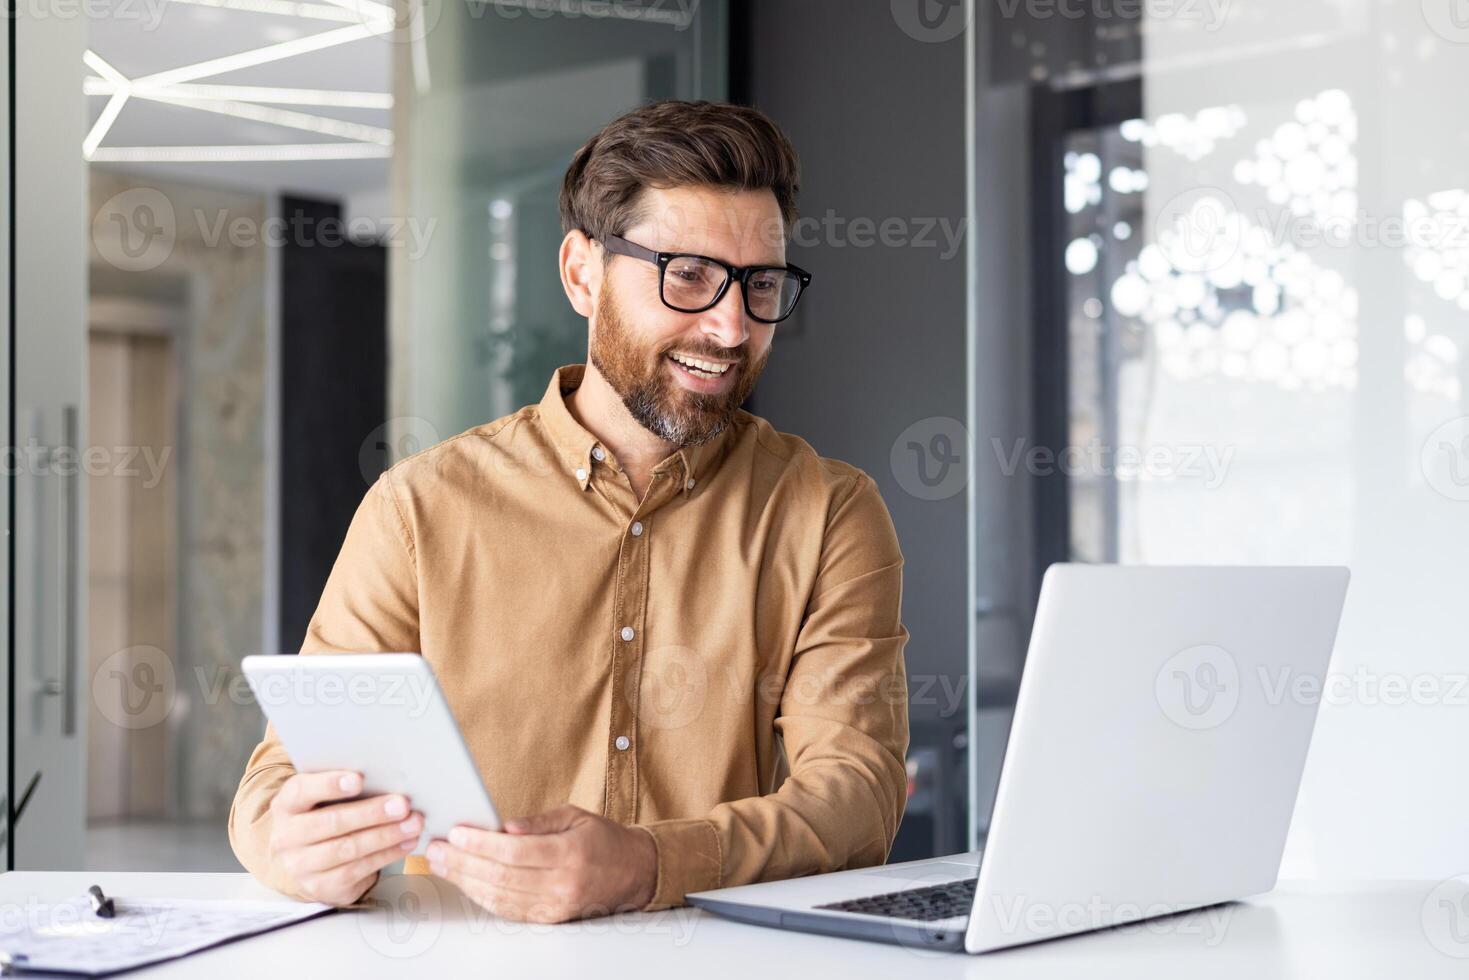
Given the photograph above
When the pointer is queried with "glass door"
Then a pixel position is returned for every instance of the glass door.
(47, 427)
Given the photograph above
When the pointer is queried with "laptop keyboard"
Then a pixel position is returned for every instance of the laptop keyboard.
(928, 904)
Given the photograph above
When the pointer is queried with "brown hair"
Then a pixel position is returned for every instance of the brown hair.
(675, 144)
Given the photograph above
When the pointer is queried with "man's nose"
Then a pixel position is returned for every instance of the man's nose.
(724, 322)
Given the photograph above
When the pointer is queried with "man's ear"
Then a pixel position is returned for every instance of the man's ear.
(581, 271)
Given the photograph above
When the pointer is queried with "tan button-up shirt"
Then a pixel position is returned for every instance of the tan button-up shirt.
(720, 662)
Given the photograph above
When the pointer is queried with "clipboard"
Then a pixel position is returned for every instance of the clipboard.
(70, 938)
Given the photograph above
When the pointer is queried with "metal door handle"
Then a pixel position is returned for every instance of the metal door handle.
(69, 552)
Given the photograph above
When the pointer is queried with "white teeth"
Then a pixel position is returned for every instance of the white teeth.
(707, 367)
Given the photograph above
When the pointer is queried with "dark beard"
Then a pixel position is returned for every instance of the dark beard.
(672, 413)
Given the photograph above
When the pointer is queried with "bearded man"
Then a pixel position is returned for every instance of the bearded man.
(670, 634)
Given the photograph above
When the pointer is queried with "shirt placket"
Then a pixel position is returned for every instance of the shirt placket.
(629, 642)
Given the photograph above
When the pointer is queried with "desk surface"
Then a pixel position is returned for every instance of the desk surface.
(424, 927)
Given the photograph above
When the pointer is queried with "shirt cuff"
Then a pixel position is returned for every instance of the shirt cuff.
(690, 859)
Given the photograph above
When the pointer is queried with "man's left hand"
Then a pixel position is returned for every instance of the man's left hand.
(555, 866)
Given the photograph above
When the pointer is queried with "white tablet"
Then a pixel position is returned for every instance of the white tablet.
(380, 714)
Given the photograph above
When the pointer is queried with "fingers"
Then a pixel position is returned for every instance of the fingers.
(399, 838)
(530, 851)
(339, 819)
(509, 904)
(306, 790)
(344, 884)
(446, 860)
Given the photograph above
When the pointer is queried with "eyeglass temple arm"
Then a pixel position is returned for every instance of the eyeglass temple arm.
(621, 246)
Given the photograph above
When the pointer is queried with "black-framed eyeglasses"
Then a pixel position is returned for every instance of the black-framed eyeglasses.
(694, 283)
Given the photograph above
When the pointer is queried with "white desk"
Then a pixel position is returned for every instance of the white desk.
(426, 929)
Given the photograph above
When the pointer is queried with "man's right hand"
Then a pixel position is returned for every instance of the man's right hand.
(333, 850)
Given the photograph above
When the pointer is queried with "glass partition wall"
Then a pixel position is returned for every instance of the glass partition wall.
(1250, 324)
(490, 108)
(1307, 204)
(172, 169)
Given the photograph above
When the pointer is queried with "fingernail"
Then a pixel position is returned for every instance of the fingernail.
(411, 825)
(458, 837)
(435, 852)
(409, 844)
(396, 806)
(348, 783)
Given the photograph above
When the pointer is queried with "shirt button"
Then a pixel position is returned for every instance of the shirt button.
(637, 528)
(627, 633)
(598, 453)
(622, 743)
(581, 474)
(690, 484)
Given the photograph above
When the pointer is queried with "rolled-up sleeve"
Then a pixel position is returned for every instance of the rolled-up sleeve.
(843, 718)
(369, 604)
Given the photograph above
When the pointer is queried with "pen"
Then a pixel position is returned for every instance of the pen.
(101, 904)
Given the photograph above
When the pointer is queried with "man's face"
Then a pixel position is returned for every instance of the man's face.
(635, 337)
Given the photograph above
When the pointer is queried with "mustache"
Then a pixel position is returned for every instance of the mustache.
(739, 355)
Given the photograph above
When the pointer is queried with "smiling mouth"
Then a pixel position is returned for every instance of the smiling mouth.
(700, 367)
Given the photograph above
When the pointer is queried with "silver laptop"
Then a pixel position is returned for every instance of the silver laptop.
(1153, 763)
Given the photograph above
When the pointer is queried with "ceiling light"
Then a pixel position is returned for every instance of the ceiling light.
(111, 109)
(257, 93)
(307, 121)
(240, 154)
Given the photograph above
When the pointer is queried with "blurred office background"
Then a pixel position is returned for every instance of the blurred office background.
(1107, 282)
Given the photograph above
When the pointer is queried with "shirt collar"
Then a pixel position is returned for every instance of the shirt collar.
(689, 464)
